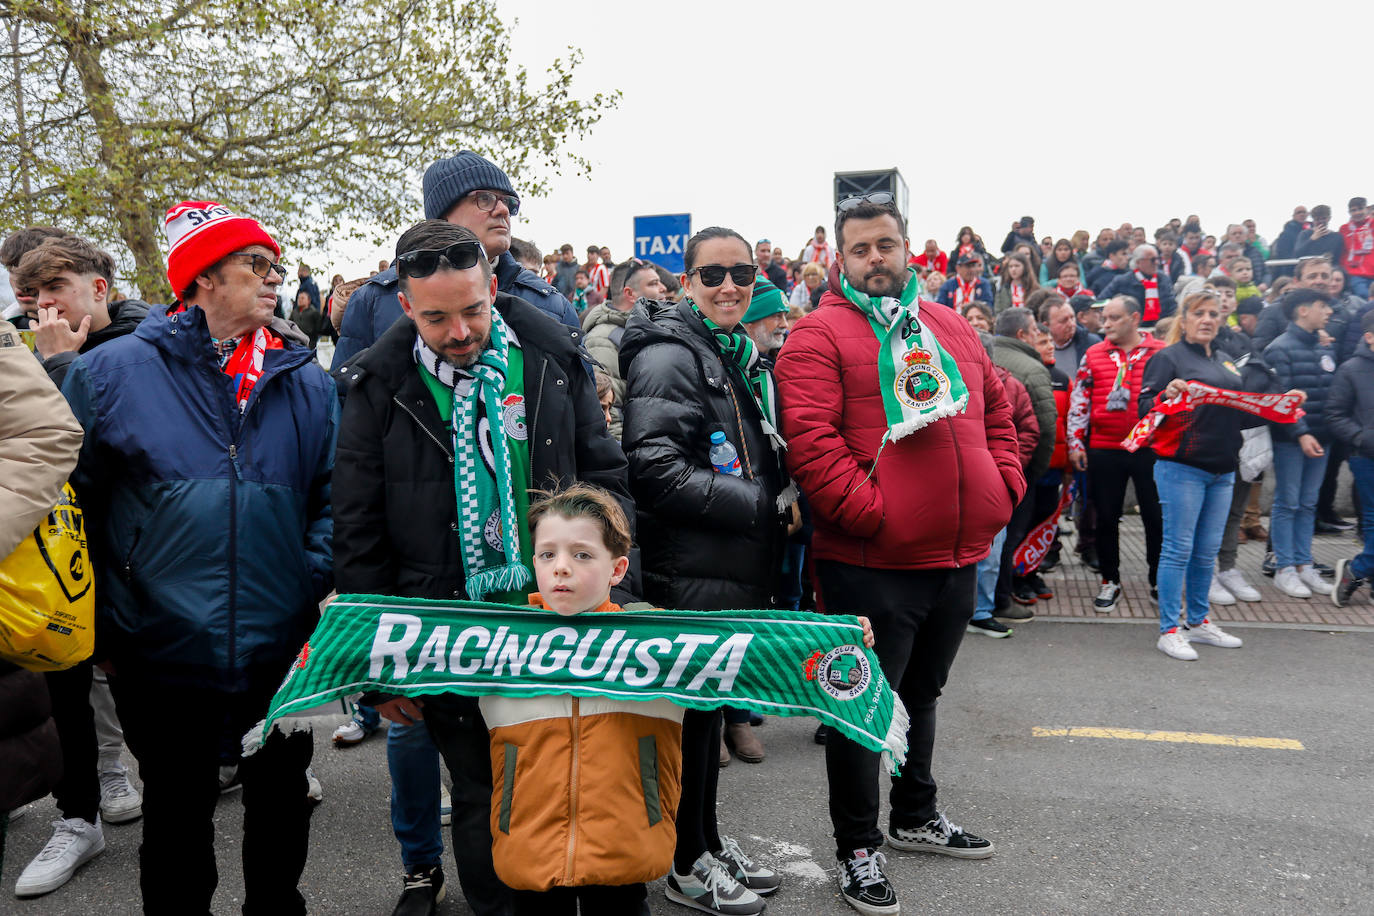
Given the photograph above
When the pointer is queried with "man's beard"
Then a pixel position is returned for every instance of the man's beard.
(463, 361)
(879, 282)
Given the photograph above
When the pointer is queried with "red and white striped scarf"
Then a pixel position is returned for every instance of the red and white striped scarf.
(965, 293)
(1151, 285)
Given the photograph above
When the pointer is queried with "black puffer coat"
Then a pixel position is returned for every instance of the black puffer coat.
(710, 541)
(30, 757)
(1300, 361)
(1350, 403)
(395, 512)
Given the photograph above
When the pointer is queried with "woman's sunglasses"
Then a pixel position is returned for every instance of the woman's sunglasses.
(714, 274)
(424, 261)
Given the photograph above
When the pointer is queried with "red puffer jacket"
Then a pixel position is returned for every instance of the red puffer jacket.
(938, 496)
(1097, 371)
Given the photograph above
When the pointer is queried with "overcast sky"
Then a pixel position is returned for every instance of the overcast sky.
(1090, 115)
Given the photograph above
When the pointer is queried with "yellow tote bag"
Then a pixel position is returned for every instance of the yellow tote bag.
(47, 604)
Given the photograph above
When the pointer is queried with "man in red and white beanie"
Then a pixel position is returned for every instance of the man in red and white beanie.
(209, 445)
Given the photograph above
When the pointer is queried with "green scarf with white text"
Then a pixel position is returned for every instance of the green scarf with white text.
(783, 663)
(919, 381)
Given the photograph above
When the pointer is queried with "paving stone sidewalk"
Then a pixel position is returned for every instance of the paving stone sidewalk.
(1075, 586)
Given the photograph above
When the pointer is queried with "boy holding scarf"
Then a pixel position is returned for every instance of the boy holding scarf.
(908, 484)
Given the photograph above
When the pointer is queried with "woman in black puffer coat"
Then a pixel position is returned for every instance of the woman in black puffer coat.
(709, 540)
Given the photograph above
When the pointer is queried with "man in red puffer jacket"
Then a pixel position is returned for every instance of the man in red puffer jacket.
(901, 437)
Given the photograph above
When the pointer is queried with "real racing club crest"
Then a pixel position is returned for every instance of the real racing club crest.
(513, 416)
(843, 672)
(920, 383)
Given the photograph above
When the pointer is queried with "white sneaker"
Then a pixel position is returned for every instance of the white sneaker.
(1217, 593)
(1235, 583)
(313, 790)
(1107, 597)
(1314, 581)
(119, 800)
(1287, 581)
(74, 843)
(350, 733)
(1210, 634)
(1175, 645)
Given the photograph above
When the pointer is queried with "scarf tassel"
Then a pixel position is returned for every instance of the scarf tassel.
(505, 578)
(894, 742)
(907, 427)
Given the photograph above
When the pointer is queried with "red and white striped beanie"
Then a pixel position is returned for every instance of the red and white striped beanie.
(201, 233)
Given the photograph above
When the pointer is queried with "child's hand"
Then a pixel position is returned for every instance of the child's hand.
(868, 631)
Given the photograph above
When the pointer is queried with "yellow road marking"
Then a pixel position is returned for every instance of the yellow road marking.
(1131, 734)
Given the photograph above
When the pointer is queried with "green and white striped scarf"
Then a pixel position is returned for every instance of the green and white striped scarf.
(743, 356)
(485, 379)
(919, 381)
(782, 663)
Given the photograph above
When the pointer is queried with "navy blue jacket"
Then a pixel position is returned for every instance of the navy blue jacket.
(374, 307)
(951, 286)
(1127, 285)
(210, 531)
(1300, 362)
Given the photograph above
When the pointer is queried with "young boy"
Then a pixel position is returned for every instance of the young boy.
(1243, 272)
(585, 793)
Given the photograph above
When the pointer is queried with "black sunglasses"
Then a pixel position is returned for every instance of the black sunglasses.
(261, 264)
(424, 261)
(486, 200)
(880, 198)
(714, 274)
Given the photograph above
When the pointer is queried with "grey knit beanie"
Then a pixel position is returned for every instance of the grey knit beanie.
(450, 180)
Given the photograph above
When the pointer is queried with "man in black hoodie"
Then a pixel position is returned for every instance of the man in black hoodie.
(71, 280)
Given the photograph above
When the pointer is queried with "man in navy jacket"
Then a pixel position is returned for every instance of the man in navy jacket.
(205, 476)
(469, 191)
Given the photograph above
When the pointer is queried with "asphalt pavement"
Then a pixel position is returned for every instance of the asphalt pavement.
(1154, 817)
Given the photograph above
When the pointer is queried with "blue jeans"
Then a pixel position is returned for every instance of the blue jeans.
(1297, 481)
(367, 717)
(988, 568)
(1362, 469)
(414, 763)
(1194, 504)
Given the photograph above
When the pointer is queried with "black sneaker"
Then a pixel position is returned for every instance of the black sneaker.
(1089, 558)
(864, 886)
(1270, 564)
(1023, 594)
(939, 835)
(1154, 595)
(1107, 597)
(1041, 589)
(989, 626)
(423, 891)
(1015, 612)
(822, 734)
(760, 879)
(1347, 584)
(1332, 525)
(1326, 572)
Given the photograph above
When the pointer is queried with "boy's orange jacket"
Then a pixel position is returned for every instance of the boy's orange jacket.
(585, 790)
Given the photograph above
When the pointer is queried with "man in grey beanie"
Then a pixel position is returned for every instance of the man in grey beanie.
(466, 190)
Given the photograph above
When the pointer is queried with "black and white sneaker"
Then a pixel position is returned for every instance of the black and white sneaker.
(939, 835)
(1347, 584)
(422, 892)
(989, 626)
(758, 878)
(710, 888)
(1107, 597)
(1270, 564)
(864, 886)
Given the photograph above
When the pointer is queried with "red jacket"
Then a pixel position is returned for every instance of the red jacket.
(1097, 370)
(1358, 259)
(1059, 458)
(939, 263)
(938, 496)
(1022, 415)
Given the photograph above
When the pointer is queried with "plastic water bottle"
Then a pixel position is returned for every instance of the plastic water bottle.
(724, 458)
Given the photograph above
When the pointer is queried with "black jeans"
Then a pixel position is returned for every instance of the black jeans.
(596, 899)
(1017, 528)
(1110, 469)
(918, 620)
(175, 734)
(78, 791)
(1338, 452)
(696, 809)
(456, 725)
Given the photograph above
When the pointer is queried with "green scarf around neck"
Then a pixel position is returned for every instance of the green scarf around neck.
(784, 663)
(919, 381)
(740, 354)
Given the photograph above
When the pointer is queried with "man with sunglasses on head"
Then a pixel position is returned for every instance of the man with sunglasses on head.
(205, 471)
(900, 435)
(463, 357)
(470, 191)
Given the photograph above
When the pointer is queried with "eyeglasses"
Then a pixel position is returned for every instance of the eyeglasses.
(422, 262)
(486, 200)
(261, 264)
(713, 275)
(881, 198)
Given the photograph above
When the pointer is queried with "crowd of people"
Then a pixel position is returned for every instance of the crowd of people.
(866, 428)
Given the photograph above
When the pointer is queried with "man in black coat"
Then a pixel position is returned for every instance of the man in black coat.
(1350, 417)
(397, 517)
